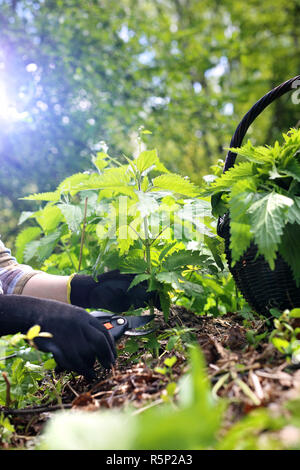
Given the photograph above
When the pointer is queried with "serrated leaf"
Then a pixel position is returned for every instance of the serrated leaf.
(259, 154)
(292, 169)
(294, 211)
(232, 176)
(176, 184)
(242, 195)
(99, 160)
(132, 265)
(30, 251)
(48, 218)
(169, 278)
(165, 250)
(26, 236)
(290, 249)
(47, 244)
(146, 160)
(147, 203)
(73, 183)
(214, 246)
(183, 258)
(191, 288)
(165, 302)
(137, 279)
(268, 217)
(25, 215)
(116, 179)
(73, 215)
(53, 196)
(42, 248)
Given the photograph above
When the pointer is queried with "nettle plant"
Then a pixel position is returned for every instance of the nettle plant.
(262, 195)
(134, 216)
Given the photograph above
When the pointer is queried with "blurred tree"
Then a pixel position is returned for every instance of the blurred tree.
(75, 73)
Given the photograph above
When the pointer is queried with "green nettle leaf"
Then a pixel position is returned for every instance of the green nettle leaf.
(25, 215)
(260, 154)
(53, 196)
(218, 206)
(27, 235)
(268, 217)
(176, 184)
(166, 249)
(42, 248)
(49, 218)
(73, 215)
(215, 247)
(290, 249)
(242, 195)
(139, 278)
(294, 211)
(191, 288)
(165, 302)
(100, 160)
(148, 159)
(232, 176)
(147, 203)
(30, 251)
(170, 278)
(116, 179)
(74, 183)
(47, 244)
(292, 169)
(184, 258)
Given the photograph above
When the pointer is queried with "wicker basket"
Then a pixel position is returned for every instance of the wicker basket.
(262, 288)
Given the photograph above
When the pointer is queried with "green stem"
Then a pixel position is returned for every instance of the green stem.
(148, 255)
(69, 255)
(82, 233)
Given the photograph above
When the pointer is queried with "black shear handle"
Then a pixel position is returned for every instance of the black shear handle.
(115, 324)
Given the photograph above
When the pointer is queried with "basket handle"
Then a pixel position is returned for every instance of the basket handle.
(252, 114)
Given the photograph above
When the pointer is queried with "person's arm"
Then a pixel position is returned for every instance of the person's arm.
(47, 286)
(22, 279)
(109, 290)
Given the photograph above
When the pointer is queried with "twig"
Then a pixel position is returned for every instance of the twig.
(155, 403)
(220, 384)
(256, 384)
(248, 392)
(72, 389)
(8, 357)
(105, 392)
(34, 410)
(82, 233)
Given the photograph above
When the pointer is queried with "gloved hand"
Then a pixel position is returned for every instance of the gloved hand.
(110, 292)
(78, 338)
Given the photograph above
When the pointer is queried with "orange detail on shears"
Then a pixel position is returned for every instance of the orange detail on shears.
(108, 325)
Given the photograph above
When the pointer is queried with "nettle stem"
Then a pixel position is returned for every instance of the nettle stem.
(147, 245)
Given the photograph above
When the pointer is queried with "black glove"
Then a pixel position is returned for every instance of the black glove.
(110, 292)
(78, 338)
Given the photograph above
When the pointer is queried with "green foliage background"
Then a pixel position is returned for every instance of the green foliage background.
(185, 69)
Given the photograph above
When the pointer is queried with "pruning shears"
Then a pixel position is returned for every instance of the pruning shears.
(119, 325)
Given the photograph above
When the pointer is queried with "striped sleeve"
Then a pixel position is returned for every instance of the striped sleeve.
(13, 276)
